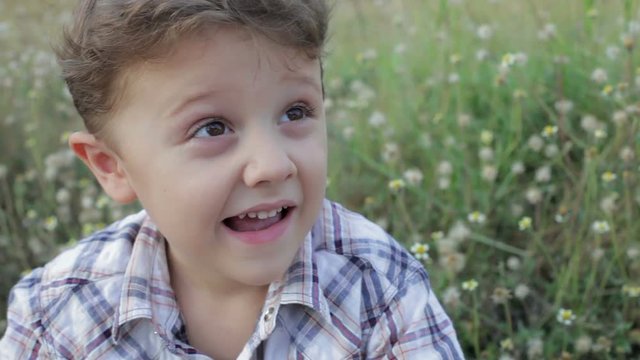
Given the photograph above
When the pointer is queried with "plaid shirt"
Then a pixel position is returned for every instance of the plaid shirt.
(352, 292)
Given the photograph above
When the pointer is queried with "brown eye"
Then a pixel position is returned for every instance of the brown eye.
(214, 128)
(296, 113)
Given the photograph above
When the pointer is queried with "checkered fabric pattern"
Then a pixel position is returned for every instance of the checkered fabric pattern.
(352, 292)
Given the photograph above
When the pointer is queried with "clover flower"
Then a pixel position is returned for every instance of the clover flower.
(420, 251)
(396, 185)
(437, 235)
(549, 131)
(608, 176)
(508, 60)
(631, 291)
(600, 134)
(565, 316)
(524, 223)
(470, 285)
(600, 227)
(506, 344)
(486, 137)
(477, 217)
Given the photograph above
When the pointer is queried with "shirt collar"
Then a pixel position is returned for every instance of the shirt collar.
(146, 284)
(301, 283)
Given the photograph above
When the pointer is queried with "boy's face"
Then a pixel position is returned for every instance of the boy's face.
(227, 130)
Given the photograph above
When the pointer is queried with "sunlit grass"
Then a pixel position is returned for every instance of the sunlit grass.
(497, 139)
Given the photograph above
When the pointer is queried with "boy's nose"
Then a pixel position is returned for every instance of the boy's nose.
(268, 162)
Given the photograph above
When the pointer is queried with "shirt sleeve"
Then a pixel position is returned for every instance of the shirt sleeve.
(21, 340)
(414, 326)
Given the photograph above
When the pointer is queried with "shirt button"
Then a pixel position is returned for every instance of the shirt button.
(269, 313)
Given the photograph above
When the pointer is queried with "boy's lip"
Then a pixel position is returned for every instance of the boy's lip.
(268, 206)
(267, 235)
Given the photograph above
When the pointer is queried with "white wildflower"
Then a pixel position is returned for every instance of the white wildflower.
(551, 150)
(521, 291)
(535, 348)
(390, 152)
(444, 183)
(543, 174)
(513, 263)
(489, 173)
(633, 252)
(590, 123)
(612, 52)
(533, 195)
(619, 118)
(486, 153)
(597, 254)
(444, 168)
(453, 262)
(626, 154)
(600, 227)
(565, 316)
(484, 32)
(477, 217)
(420, 251)
(348, 132)
(563, 106)
(377, 119)
(482, 55)
(583, 344)
(413, 176)
(464, 120)
(451, 297)
(517, 168)
(459, 232)
(599, 76)
(608, 203)
(535, 143)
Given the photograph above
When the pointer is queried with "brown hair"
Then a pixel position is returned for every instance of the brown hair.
(108, 36)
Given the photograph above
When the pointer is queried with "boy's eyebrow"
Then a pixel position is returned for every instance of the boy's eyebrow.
(305, 79)
(198, 96)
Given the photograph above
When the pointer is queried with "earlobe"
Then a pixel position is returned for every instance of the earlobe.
(104, 164)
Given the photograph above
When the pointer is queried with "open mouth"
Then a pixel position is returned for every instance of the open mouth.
(257, 221)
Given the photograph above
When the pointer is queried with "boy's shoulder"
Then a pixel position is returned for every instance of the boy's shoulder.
(90, 273)
(99, 256)
(348, 238)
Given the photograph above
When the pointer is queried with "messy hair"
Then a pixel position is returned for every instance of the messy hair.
(108, 36)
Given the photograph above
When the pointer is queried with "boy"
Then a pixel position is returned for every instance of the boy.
(210, 113)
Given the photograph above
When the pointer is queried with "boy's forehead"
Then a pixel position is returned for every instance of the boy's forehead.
(223, 60)
(227, 49)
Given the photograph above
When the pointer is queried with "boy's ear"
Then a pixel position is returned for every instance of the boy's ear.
(104, 164)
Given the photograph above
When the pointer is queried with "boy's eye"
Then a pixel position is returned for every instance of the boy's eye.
(297, 112)
(212, 128)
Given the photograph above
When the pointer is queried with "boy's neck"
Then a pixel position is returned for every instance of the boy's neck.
(193, 278)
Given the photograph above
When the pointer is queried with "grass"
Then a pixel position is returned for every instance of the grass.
(502, 134)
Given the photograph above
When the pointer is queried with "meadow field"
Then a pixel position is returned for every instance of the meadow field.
(499, 140)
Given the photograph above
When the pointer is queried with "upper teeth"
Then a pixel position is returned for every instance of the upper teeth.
(262, 214)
